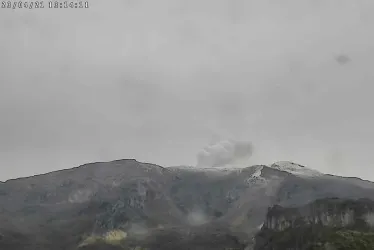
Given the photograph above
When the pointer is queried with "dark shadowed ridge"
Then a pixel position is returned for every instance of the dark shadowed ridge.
(86, 165)
(350, 178)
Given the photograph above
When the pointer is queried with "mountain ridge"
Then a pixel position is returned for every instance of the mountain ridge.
(118, 196)
(185, 167)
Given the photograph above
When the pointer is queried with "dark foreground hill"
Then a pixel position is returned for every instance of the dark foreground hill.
(126, 204)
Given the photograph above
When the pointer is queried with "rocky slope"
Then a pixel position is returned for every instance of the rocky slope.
(329, 223)
(128, 204)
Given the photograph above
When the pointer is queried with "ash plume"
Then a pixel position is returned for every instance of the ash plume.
(224, 153)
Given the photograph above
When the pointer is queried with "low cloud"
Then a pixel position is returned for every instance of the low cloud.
(369, 218)
(138, 230)
(80, 196)
(224, 153)
(197, 217)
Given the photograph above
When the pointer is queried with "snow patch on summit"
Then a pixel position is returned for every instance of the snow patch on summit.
(256, 177)
(295, 169)
(258, 172)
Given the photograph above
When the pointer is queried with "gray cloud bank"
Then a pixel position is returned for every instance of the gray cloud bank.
(156, 80)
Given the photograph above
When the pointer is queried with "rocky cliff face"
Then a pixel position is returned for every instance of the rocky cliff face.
(326, 212)
(133, 201)
(317, 224)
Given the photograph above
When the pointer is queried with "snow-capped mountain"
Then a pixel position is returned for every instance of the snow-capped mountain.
(285, 166)
(295, 169)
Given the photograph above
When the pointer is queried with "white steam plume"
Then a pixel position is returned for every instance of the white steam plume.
(224, 153)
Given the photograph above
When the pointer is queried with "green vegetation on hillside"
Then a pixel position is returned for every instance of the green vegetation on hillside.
(351, 240)
(316, 238)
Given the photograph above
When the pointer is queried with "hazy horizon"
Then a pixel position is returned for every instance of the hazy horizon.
(160, 80)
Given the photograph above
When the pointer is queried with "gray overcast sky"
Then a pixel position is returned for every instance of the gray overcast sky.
(158, 80)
